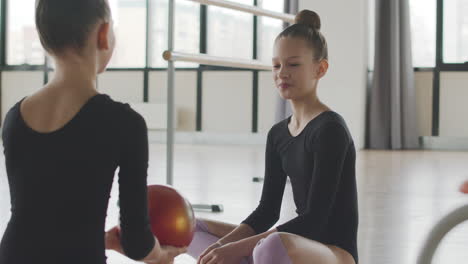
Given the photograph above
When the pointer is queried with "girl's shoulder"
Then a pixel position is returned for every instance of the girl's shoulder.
(328, 124)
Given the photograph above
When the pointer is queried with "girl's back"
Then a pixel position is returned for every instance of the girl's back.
(60, 181)
(63, 145)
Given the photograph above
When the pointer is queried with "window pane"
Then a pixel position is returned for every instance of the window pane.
(455, 31)
(187, 30)
(371, 50)
(23, 44)
(269, 29)
(273, 5)
(423, 29)
(230, 32)
(423, 32)
(130, 29)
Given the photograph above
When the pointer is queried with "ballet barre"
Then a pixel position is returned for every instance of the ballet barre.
(247, 9)
(172, 56)
(216, 61)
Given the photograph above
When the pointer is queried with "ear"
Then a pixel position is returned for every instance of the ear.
(322, 68)
(103, 36)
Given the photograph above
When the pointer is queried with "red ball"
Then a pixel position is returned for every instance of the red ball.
(171, 216)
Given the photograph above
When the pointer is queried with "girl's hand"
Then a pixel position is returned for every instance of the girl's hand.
(159, 255)
(112, 239)
(227, 254)
(208, 250)
(166, 255)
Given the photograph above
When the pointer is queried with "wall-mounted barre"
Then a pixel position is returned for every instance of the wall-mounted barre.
(171, 56)
(247, 9)
(216, 61)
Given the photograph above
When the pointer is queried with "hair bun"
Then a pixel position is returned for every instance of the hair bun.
(308, 18)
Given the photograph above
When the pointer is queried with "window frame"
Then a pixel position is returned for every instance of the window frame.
(440, 66)
(147, 68)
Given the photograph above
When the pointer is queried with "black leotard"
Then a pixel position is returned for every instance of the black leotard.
(60, 184)
(320, 162)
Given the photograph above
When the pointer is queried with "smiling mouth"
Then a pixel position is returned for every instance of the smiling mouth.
(284, 86)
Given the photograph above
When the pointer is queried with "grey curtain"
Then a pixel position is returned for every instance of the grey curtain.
(392, 106)
(283, 107)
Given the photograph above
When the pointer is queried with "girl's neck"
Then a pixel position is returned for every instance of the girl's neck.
(306, 110)
(74, 74)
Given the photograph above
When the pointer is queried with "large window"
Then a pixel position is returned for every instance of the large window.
(23, 44)
(426, 40)
(186, 35)
(230, 32)
(455, 31)
(423, 32)
(371, 35)
(269, 29)
(423, 19)
(130, 29)
(24, 47)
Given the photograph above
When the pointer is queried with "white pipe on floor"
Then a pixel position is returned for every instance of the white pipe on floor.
(439, 231)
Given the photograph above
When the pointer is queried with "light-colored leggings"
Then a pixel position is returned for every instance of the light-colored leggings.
(269, 250)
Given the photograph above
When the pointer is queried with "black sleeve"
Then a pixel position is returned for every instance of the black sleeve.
(267, 212)
(329, 152)
(6, 126)
(136, 237)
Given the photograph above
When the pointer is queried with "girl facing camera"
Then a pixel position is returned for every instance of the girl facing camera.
(314, 148)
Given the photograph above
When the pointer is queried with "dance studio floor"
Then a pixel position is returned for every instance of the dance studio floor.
(401, 196)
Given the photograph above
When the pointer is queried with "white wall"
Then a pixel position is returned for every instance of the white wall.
(16, 85)
(233, 114)
(128, 87)
(267, 96)
(227, 102)
(453, 104)
(123, 86)
(345, 26)
(423, 85)
(185, 96)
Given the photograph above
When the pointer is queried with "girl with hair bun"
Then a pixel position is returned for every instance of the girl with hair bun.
(314, 148)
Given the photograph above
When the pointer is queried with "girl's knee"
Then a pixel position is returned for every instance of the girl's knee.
(200, 226)
(271, 250)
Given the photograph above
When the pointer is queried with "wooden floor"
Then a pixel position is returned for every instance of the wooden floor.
(401, 196)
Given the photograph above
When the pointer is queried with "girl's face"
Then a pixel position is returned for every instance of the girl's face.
(295, 71)
(106, 45)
